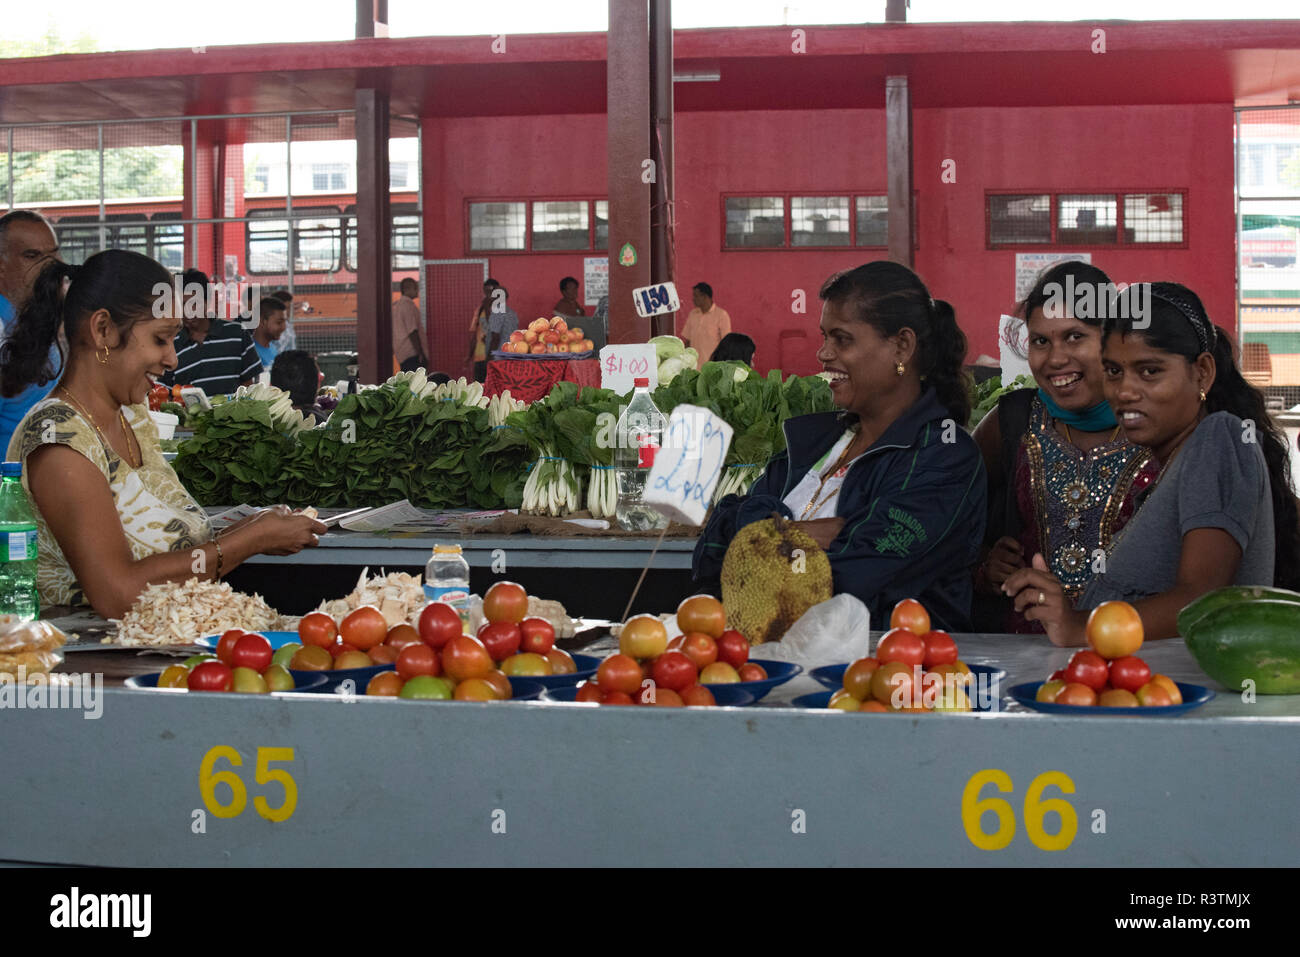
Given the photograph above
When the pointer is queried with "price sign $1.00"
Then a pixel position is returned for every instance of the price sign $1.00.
(622, 365)
(687, 465)
(656, 299)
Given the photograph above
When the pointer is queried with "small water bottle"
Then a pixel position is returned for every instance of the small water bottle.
(640, 432)
(18, 594)
(446, 578)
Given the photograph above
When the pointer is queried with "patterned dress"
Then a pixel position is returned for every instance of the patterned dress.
(1072, 503)
(156, 511)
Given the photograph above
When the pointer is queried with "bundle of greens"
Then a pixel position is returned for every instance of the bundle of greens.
(236, 455)
(985, 395)
(562, 433)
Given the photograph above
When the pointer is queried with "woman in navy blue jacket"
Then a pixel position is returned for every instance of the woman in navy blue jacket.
(892, 487)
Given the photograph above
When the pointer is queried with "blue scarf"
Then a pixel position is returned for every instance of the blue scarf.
(1095, 419)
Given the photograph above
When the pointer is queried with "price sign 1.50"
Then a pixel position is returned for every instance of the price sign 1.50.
(653, 300)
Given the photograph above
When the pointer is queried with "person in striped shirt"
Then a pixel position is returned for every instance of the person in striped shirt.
(215, 355)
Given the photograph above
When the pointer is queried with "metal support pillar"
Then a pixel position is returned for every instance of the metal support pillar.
(898, 146)
(662, 259)
(374, 271)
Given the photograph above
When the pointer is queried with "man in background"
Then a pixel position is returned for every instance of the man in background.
(288, 340)
(568, 304)
(269, 330)
(27, 243)
(502, 320)
(478, 331)
(213, 354)
(707, 323)
(408, 340)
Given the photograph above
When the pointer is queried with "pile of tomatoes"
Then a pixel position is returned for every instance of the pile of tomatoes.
(1110, 674)
(651, 670)
(914, 669)
(440, 661)
(244, 663)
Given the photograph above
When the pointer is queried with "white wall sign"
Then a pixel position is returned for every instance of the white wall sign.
(595, 279)
(1029, 265)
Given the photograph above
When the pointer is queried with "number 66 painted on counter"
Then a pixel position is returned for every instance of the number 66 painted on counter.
(687, 466)
(1035, 808)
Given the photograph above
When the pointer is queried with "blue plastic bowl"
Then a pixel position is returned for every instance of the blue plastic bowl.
(587, 665)
(302, 680)
(832, 676)
(1193, 697)
(729, 696)
(820, 700)
(359, 677)
(778, 673)
(276, 638)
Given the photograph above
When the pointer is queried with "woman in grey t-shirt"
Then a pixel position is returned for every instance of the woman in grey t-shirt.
(1221, 511)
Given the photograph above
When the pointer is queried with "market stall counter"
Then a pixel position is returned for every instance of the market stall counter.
(171, 778)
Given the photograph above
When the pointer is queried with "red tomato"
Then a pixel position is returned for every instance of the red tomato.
(226, 646)
(209, 676)
(538, 635)
(364, 628)
(700, 648)
(464, 657)
(385, 654)
(901, 645)
(418, 660)
(895, 684)
(341, 648)
(857, 677)
(501, 683)
(673, 670)
(399, 636)
(616, 697)
(643, 636)
(940, 649)
(911, 615)
(1057, 675)
(733, 648)
(750, 671)
(318, 629)
(252, 651)
(505, 601)
(500, 638)
(1086, 668)
(1153, 695)
(1076, 693)
(676, 643)
(698, 696)
(589, 691)
(1114, 629)
(439, 624)
(619, 673)
(1129, 673)
(667, 698)
(562, 662)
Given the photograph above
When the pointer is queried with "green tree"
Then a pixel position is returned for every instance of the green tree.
(51, 43)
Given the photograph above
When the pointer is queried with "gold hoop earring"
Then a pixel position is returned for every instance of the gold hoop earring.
(898, 367)
(103, 360)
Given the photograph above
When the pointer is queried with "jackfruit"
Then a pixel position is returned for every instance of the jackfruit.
(772, 573)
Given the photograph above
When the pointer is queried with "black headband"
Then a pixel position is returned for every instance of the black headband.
(1205, 333)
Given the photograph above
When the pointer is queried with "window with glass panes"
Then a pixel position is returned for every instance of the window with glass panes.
(1091, 218)
(538, 225)
(837, 222)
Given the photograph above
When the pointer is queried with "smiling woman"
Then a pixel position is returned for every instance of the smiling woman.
(892, 486)
(111, 515)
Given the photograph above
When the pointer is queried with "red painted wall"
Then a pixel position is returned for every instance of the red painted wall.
(1064, 148)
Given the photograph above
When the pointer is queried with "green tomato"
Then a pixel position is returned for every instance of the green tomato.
(197, 660)
(277, 678)
(284, 654)
(247, 681)
(426, 687)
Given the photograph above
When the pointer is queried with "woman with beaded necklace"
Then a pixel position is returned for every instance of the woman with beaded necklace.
(1221, 509)
(111, 515)
(1063, 479)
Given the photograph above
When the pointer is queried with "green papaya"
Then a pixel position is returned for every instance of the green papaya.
(1222, 597)
(1259, 640)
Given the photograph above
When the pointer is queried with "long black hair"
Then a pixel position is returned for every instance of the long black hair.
(1174, 320)
(121, 282)
(890, 297)
(734, 346)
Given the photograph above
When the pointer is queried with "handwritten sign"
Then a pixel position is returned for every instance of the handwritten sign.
(620, 365)
(686, 469)
(1030, 265)
(652, 300)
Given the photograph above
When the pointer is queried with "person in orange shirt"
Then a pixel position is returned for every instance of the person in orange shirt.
(707, 323)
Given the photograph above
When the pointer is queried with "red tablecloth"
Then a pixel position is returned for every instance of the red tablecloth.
(530, 379)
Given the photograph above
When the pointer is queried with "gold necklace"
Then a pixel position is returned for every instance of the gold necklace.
(127, 434)
(1071, 441)
(826, 478)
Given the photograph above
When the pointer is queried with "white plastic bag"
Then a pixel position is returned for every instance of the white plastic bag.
(832, 632)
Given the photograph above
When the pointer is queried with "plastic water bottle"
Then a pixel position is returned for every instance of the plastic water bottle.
(640, 432)
(18, 595)
(446, 578)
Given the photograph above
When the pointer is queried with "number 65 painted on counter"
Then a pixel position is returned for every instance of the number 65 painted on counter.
(262, 774)
(973, 810)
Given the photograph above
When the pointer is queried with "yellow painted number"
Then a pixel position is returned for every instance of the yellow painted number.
(208, 781)
(973, 810)
(1035, 809)
(263, 774)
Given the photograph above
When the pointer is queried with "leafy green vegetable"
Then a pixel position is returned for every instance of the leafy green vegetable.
(985, 395)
